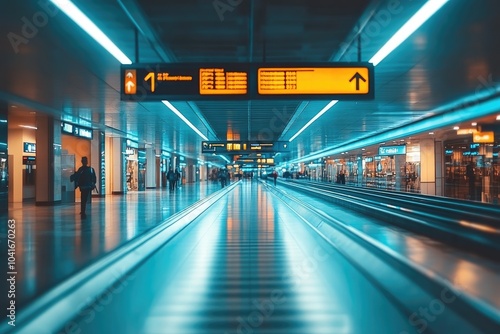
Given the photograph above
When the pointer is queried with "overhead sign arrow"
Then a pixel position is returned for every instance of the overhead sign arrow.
(130, 85)
(358, 77)
(130, 82)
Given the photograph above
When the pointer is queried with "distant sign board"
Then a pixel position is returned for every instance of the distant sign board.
(242, 147)
(29, 147)
(29, 160)
(392, 150)
(76, 130)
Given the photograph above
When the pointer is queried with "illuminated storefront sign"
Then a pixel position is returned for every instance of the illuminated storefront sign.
(392, 150)
(466, 131)
(484, 137)
(76, 130)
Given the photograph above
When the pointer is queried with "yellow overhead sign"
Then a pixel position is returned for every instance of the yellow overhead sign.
(314, 80)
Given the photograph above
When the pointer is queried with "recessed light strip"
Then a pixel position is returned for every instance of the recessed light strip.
(318, 115)
(29, 127)
(184, 119)
(90, 28)
(415, 22)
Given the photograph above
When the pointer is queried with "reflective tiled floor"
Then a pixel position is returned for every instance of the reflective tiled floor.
(54, 242)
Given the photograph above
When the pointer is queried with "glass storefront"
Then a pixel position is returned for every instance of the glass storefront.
(472, 171)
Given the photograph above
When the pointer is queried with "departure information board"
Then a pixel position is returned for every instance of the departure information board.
(221, 82)
(313, 80)
(241, 147)
(247, 81)
(184, 82)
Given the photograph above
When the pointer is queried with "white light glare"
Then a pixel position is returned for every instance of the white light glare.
(318, 115)
(90, 28)
(181, 116)
(416, 21)
(29, 127)
(223, 157)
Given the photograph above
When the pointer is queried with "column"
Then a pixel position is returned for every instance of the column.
(150, 168)
(440, 173)
(117, 165)
(359, 161)
(48, 160)
(4, 160)
(427, 167)
(399, 165)
(97, 156)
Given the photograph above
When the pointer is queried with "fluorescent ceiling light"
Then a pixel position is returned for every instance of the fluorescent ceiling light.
(318, 115)
(223, 157)
(415, 22)
(90, 28)
(29, 127)
(181, 116)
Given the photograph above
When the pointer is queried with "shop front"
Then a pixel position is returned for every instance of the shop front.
(472, 170)
(132, 166)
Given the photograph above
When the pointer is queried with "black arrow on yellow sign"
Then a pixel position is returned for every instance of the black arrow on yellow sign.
(358, 77)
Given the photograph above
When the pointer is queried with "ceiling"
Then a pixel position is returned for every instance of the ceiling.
(59, 70)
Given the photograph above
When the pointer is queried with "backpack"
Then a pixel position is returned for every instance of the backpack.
(85, 178)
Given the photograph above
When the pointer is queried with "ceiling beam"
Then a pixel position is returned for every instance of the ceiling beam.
(140, 21)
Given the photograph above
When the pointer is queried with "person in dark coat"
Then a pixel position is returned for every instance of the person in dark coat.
(171, 179)
(85, 179)
(275, 176)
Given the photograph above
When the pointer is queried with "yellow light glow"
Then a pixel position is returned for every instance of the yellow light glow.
(484, 137)
(308, 80)
(480, 227)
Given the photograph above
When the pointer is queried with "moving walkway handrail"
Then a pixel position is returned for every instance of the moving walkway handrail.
(473, 235)
(467, 306)
(472, 212)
